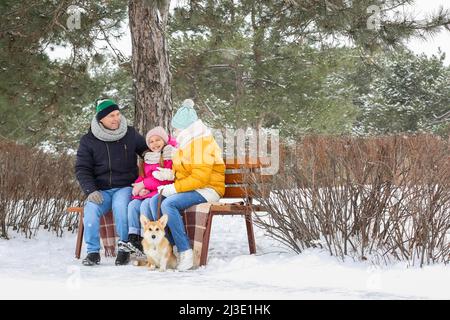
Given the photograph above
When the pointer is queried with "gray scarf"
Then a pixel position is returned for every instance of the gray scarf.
(103, 134)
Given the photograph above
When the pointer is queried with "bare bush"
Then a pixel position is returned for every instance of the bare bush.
(378, 198)
(35, 190)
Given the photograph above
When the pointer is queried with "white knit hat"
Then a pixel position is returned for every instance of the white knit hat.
(157, 131)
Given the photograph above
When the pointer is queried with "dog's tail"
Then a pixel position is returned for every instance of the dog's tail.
(172, 263)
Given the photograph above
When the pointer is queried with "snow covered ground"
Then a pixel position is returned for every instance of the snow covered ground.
(45, 268)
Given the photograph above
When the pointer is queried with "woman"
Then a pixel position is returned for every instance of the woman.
(199, 173)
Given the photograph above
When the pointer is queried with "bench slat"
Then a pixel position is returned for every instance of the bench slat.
(240, 178)
(247, 163)
(236, 192)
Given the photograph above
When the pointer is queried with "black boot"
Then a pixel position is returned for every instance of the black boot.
(135, 243)
(92, 259)
(123, 258)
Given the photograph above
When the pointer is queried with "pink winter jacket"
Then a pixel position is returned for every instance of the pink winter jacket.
(150, 182)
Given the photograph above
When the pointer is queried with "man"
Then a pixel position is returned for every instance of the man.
(106, 167)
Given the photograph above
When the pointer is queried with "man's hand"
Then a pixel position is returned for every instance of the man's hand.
(137, 187)
(167, 190)
(163, 174)
(95, 197)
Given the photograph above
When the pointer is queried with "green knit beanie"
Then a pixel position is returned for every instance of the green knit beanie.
(105, 107)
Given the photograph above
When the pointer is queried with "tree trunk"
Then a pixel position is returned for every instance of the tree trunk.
(258, 74)
(150, 65)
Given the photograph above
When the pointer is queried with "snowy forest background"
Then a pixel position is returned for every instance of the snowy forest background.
(305, 67)
(364, 121)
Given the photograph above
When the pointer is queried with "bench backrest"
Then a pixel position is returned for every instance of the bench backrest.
(236, 175)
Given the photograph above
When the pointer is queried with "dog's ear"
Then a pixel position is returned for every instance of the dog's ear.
(163, 220)
(144, 220)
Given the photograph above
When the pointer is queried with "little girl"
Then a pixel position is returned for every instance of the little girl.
(157, 163)
(159, 157)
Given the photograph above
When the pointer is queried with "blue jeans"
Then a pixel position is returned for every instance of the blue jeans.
(173, 206)
(115, 199)
(135, 208)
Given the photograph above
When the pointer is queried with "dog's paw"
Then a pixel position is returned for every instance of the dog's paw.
(151, 267)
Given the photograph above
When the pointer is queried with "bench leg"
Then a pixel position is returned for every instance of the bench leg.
(205, 244)
(250, 233)
(79, 236)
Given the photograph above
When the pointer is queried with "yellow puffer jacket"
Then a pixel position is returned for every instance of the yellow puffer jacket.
(198, 161)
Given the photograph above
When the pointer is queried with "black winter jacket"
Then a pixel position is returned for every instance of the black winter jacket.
(104, 165)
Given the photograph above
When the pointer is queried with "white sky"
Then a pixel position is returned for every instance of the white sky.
(421, 9)
(442, 40)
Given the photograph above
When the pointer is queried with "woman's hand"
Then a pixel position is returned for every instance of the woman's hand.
(167, 190)
(168, 152)
(163, 174)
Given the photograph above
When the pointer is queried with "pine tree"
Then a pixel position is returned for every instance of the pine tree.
(271, 63)
(37, 94)
(410, 94)
(289, 64)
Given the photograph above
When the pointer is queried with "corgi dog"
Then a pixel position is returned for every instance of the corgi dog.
(156, 246)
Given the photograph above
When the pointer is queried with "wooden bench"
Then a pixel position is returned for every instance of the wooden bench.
(235, 188)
